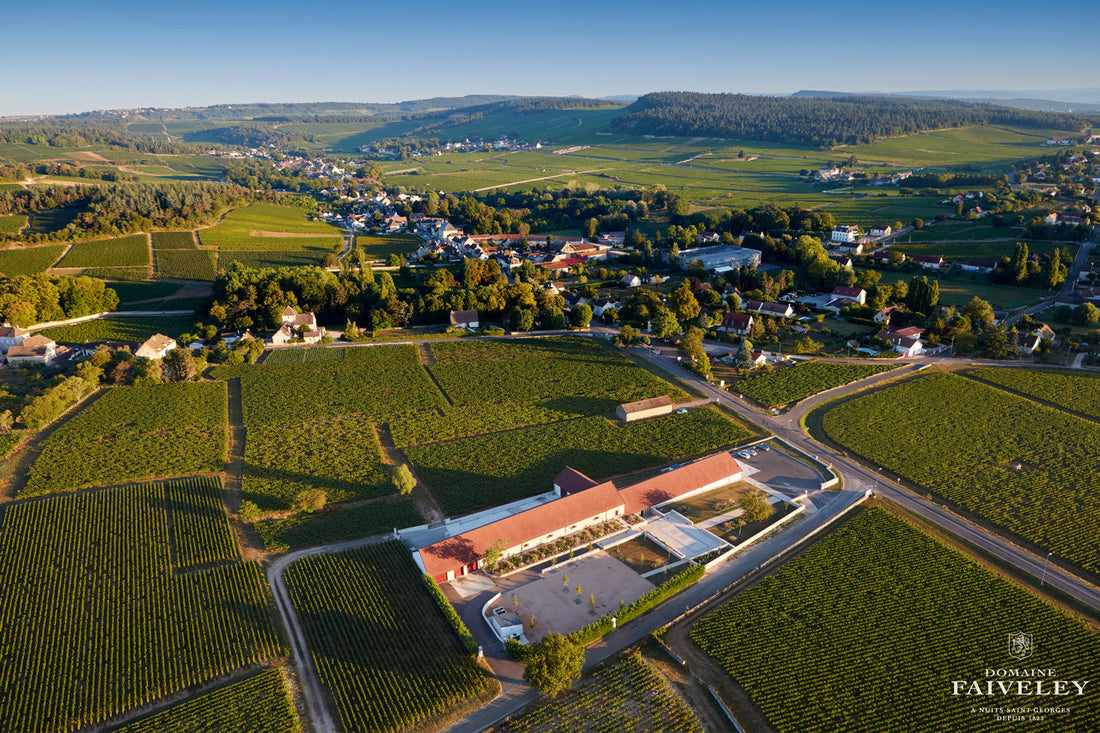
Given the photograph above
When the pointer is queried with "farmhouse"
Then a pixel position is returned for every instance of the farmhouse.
(859, 295)
(603, 305)
(11, 335)
(881, 230)
(782, 310)
(37, 349)
(906, 341)
(722, 258)
(588, 503)
(465, 319)
(653, 407)
(156, 347)
(929, 262)
(295, 324)
(740, 323)
(845, 233)
(630, 281)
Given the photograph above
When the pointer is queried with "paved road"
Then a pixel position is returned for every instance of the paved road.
(1067, 292)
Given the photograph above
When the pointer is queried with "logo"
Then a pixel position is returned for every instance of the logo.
(1020, 645)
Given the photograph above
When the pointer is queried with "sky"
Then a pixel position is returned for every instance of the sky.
(68, 56)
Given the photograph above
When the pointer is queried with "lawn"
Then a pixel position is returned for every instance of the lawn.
(29, 260)
(132, 251)
(869, 629)
(958, 292)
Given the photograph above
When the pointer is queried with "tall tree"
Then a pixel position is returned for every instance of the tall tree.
(554, 664)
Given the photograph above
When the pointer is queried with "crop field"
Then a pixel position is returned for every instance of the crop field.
(273, 258)
(269, 227)
(482, 471)
(132, 292)
(52, 220)
(380, 644)
(630, 694)
(187, 264)
(12, 224)
(200, 527)
(29, 260)
(137, 328)
(791, 384)
(174, 240)
(992, 146)
(1022, 466)
(96, 622)
(339, 455)
(959, 292)
(1075, 392)
(964, 251)
(871, 210)
(133, 433)
(260, 704)
(961, 230)
(380, 247)
(874, 624)
(346, 523)
(132, 251)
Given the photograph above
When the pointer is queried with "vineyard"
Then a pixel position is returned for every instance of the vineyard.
(866, 630)
(132, 251)
(1077, 392)
(629, 695)
(259, 704)
(1030, 469)
(119, 329)
(790, 384)
(348, 523)
(133, 433)
(200, 527)
(486, 470)
(260, 226)
(28, 260)
(174, 240)
(96, 623)
(187, 264)
(380, 644)
(274, 258)
(11, 224)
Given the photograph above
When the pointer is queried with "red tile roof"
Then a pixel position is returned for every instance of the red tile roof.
(667, 486)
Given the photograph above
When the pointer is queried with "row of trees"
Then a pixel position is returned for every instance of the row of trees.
(29, 299)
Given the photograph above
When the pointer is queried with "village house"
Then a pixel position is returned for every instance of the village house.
(929, 262)
(156, 346)
(849, 248)
(739, 323)
(880, 230)
(845, 233)
(11, 335)
(884, 314)
(858, 295)
(465, 319)
(298, 325)
(630, 281)
(604, 304)
(780, 310)
(37, 349)
(906, 341)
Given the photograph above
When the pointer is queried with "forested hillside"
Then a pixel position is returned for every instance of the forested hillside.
(817, 121)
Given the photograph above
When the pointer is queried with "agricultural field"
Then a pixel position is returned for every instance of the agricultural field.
(96, 622)
(174, 240)
(884, 209)
(1075, 392)
(381, 645)
(29, 260)
(133, 292)
(127, 328)
(380, 247)
(187, 264)
(12, 224)
(630, 694)
(1022, 466)
(133, 433)
(52, 220)
(951, 230)
(270, 227)
(788, 385)
(274, 258)
(992, 146)
(867, 630)
(200, 527)
(260, 704)
(131, 251)
(345, 523)
(963, 251)
(958, 292)
(486, 470)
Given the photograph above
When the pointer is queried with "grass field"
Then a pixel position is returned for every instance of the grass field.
(380, 247)
(29, 260)
(874, 625)
(1019, 465)
(120, 329)
(266, 226)
(12, 224)
(132, 251)
(186, 264)
(959, 292)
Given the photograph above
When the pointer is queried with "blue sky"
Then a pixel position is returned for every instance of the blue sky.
(68, 56)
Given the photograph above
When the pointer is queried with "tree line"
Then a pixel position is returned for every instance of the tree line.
(29, 299)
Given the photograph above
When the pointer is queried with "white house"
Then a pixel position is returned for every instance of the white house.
(906, 341)
(878, 231)
(465, 319)
(630, 281)
(859, 295)
(11, 335)
(37, 349)
(740, 323)
(845, 233)
(602, 305)
(156, 346)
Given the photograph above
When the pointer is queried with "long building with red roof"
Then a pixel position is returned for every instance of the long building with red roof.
(583, 503)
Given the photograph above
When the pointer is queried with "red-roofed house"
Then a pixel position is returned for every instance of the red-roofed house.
(859, 295)
(736, 323)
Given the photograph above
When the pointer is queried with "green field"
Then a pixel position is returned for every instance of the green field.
(958, 292)
(266, 226)
(174, 240)
(1075, 392)
(380, 247)
(994, 147)
(883, 209)
(12, 224)
(345, 523)
(133, 433)
(868, 630)
(275, 258)
(630, 694)
(381, 647)
(97, 621)
(132, 251)
(968, 231)
(29, 260)
(1019, 465)
(260, 704)
(133, 292)
(138, 328)
(187, 264)
(52, 220)
(963, 251)
(787, 385)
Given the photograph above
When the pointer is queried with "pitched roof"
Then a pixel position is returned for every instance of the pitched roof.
(7, 331)
(643, 405)
(848, 292)
(155, 344)
(36, 345)
(460, 317)
(738, 321)
(669, 485)
(468, 547)
(289, 311)
(570, 480)
(910, 331)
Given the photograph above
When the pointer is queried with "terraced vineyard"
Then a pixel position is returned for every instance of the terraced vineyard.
(381, 646)
(1030, 469)
(1077, 392)
(790, 384)
(131, 251)
(94, 620)
(133, 433)
(867, 630)
(630, 694)
(259, 704)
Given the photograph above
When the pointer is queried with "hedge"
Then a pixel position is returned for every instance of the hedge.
(449, 611)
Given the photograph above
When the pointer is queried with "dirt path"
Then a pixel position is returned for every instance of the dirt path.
(425, 503)
(252, 547)
(543, 178)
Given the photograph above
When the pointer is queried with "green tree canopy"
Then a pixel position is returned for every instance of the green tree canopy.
(554, 664)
